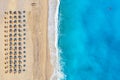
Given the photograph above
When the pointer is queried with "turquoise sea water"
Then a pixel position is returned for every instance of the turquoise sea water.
(90, 39)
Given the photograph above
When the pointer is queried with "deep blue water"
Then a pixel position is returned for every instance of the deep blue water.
(90, 39)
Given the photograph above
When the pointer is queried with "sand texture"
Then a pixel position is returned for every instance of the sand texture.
(24, 51)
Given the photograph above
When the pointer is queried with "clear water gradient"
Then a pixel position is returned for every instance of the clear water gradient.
(90, 39)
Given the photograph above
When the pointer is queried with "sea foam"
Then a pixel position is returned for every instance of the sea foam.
(53, 39)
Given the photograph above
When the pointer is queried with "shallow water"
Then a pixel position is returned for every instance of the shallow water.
(90, 39)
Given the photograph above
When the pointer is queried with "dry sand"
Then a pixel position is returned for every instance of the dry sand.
(38, 66)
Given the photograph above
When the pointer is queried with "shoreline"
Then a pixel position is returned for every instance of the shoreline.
(53, 39)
